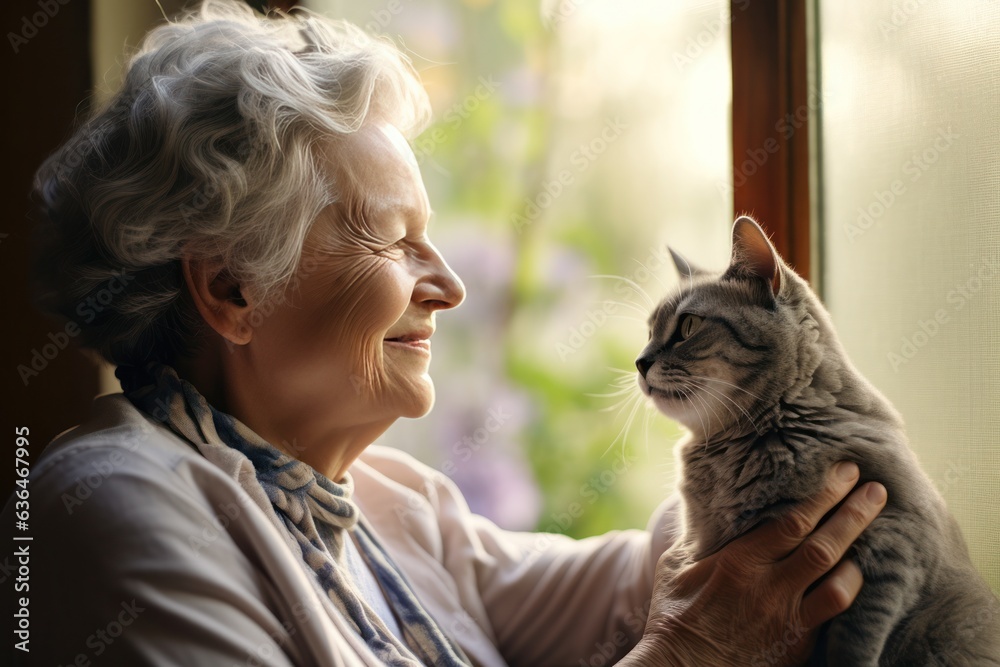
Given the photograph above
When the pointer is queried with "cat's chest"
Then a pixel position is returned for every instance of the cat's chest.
(746, 477)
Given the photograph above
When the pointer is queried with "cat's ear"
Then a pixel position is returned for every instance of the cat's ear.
(685, 268)
(753, 254)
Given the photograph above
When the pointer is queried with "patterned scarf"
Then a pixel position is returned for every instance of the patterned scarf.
(317, 513)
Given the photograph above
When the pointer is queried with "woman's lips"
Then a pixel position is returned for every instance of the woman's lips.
(418, 338)
(423, 344)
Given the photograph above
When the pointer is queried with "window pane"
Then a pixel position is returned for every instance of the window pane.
(571, 140)
(911, 236)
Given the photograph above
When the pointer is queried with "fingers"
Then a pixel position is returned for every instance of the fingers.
(779, 538)
(833, 596)
(827, 545)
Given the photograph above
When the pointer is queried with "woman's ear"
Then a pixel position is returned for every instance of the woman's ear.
(218, 298)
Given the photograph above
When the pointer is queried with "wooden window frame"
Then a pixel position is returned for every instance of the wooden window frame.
(772, 113)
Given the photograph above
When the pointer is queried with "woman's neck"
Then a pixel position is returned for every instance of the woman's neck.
(315, 435)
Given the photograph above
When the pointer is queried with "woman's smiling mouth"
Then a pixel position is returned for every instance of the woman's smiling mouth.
(414, 341)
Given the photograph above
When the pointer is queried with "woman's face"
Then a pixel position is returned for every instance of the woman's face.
(351, 339)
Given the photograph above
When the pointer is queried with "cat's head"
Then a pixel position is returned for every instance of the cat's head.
(725, 347)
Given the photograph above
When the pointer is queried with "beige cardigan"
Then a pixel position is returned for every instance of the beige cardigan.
(146, 552)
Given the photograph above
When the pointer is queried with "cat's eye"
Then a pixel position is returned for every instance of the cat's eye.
(688, 325)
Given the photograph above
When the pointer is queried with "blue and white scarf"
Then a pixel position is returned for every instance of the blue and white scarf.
(317, 513)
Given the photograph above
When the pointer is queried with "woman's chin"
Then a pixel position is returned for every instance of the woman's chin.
(418, 401)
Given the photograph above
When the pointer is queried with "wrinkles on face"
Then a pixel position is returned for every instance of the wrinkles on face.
(352, 318)
(367, 215)
(364, 243)
(351, 230)
(319, 371)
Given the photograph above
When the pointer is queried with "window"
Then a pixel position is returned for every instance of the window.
(911, 234)
(578, 139)
(570, 143)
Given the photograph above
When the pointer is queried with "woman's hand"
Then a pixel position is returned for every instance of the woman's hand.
(747, 604)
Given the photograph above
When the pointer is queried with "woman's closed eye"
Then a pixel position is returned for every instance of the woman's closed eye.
(394, 250)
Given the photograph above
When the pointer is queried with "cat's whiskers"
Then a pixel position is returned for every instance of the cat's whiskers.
(624, 375)
(621, 392)
(621, 406)
(636, 400)
(730, 384)
(691, 394)
(688, 386)
(704, 429)
(633, 400)
(649, 414)
(624, 383)
(728, 409)
(629, 306)
(630, 318)
(632, 284)
(719, 394)
(722, 395)
(651, 274)
(616, 406)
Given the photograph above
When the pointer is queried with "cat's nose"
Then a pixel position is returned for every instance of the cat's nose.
(644, 364)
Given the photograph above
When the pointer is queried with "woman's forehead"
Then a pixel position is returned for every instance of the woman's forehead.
(370, 155)
(376, 164)
(398, 142)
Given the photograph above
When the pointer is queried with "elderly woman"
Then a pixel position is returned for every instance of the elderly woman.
(252, 195)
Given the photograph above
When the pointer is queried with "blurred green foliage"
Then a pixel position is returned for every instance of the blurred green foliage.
(530, 182)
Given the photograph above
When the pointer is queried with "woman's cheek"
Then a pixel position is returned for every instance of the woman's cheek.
(378, 309)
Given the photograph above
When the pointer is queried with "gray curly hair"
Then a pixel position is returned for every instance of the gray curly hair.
(209, 149)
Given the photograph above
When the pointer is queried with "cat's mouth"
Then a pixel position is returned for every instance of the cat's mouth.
(658, 392)
(669, 394)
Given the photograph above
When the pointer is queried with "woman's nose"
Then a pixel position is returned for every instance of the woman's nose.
(441, 288)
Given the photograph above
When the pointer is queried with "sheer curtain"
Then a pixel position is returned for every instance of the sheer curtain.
(910, 230)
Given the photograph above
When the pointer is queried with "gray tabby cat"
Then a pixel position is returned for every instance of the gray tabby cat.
(749, 362)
